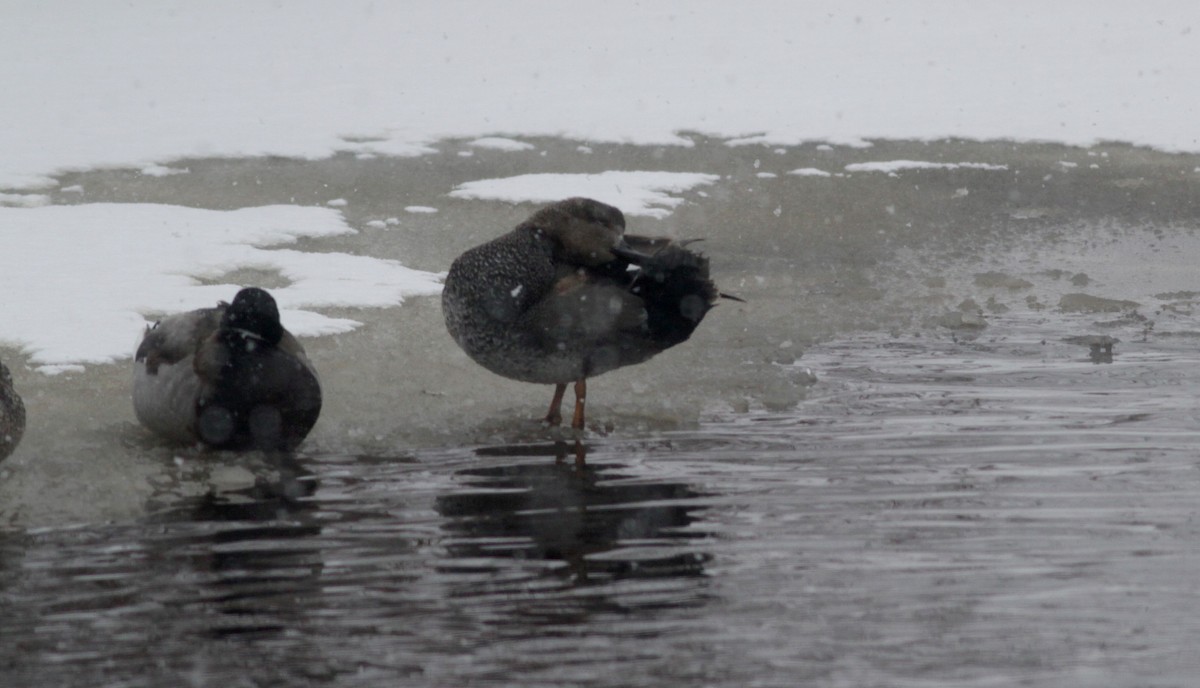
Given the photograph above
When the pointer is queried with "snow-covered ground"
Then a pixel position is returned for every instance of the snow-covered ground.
(135, 83)
(144, 84)
(79, 280)
(635, 193)
(894, 166)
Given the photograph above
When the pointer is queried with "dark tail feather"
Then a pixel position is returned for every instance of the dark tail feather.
(675, 286)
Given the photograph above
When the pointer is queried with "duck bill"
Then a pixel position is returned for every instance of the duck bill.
(622, 250)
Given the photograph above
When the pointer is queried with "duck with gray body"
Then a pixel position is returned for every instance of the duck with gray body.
(12, 415)
(230, 377)
(567, 295)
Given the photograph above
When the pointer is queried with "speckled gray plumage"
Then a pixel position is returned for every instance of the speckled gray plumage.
(526, 306)
(12, 414)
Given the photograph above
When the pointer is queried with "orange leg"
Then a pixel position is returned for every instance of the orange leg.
(554, 415)
(580, 400)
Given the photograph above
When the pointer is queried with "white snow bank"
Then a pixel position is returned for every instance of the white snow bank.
(23, 200)
(153, 170)
(893, 166)
(79, 282)
(136, 82)
(500, 143)
(635, 193)
(809, 172)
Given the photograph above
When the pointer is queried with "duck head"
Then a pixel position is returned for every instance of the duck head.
(254, 312)
(583, 231)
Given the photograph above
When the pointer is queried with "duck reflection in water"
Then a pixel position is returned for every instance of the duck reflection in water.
(255, 550)
(589, 516)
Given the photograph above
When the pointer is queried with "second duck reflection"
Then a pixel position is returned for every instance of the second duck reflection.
(516, 538)
(589, 516)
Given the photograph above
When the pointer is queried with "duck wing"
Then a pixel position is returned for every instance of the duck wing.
(583, 308)
(176, 337)
(672, 282)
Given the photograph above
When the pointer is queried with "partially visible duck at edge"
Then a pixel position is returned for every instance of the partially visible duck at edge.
(230, 377)
(12, 415)
(567, 295)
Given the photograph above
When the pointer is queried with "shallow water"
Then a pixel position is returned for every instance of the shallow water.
(964, 496)
(933, 514)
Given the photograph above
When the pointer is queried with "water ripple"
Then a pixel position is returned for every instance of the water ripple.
(931, 515)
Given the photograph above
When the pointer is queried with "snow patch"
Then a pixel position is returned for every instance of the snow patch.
(893, 166)
(809, 172)
(850, 141)
(635, 193)
(1105, 71)
(23, 200)
(414, 209)
(117, 266)
(162, 170)
(500, 143)
(60, 369)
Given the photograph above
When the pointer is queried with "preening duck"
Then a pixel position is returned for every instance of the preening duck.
(230, 377)
(567, 295)
(12, 415)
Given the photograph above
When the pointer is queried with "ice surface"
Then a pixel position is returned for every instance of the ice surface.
(82, 280)
(635, 193)
(813, 259)
(142, 82)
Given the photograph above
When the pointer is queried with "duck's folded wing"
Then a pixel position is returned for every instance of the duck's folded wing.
(292, 347)
(165, 401)
(579, 311)
(176, 337)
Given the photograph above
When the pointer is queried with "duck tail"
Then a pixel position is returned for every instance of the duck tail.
(673, 282)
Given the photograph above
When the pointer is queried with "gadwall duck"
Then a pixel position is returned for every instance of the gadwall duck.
(230, 377)
(12, 415)
(567, 295)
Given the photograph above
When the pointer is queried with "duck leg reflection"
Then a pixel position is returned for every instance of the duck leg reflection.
(554, 415)
(580, 451)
